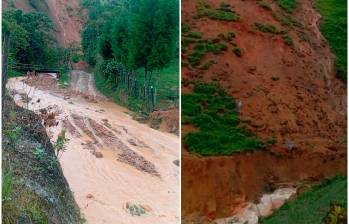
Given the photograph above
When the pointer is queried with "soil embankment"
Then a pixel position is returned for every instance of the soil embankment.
(38, 191)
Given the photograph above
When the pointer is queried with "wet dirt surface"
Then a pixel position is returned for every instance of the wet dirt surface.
(289, 94)
(111, 161)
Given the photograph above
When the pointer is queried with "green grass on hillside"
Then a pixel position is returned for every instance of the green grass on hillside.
(313, 206)
(334, 28)
(215, 114)
(287, 5)
(167, 92)
(224, 12)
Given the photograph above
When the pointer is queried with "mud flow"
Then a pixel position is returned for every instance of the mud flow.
(117, 168)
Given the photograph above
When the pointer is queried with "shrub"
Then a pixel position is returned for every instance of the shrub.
(288, 40)
(223, 13)
(7, 180)
(237, 51)
(185, 28)
(207, 65)
(230, 35)
(264, 5)
(287, 5)
(195, 34)
(201, 49)
(266, 28)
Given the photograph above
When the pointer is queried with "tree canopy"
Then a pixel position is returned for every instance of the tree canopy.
(136, 33)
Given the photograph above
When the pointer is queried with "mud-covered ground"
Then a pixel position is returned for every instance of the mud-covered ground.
(112, 163)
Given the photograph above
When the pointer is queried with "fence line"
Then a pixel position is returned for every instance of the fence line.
(124, 79)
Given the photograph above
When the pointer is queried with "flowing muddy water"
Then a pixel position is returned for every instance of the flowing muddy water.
(111, 162)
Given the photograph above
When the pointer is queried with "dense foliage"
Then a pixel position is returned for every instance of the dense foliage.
(314, 206)
(215, 115)
(31, 40)
(141, 35)
(334, 28)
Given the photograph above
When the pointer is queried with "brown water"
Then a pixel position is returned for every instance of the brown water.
(130, 152)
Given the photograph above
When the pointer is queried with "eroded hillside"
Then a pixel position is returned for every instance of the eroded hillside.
(278, 67)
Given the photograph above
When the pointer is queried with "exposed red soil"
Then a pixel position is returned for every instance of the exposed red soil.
(169, 120)
(305, 106)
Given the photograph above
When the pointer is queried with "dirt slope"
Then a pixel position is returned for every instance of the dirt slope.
(287, 93)
(66, 15)
(39, 189)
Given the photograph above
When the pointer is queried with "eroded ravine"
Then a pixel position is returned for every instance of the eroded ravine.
(111, 161)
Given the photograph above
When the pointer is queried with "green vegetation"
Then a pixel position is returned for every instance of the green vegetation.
(33, 185)
(237, 51)
(167, 91)
(201, 49)
(196, 35)
(230, 36)
(267, 28)
(316, 205)
(7, 179)
(334, 28)
(32, 42)
(288, 40)
(264, 5)
(287, 5)
(287, 20)
(207, 65)
(139, 37)
(224, 12)
(215, 115)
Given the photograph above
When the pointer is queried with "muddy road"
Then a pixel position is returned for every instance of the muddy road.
(119, 170)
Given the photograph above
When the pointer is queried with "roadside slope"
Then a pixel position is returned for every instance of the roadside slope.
(35, 188)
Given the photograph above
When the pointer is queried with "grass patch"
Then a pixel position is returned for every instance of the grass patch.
(64, 79)
(167, 89)
(265, 5)
(237, 51)
(288, 5)
(334, 28)
(194, 34)
(288, 40)
(266, 28)
(287, 20)
(224, 12)
(201, 49)
(313, 206)
(207, 65)
(215, 114)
